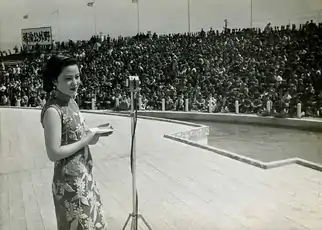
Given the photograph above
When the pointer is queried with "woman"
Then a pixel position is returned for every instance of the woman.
(76, 198)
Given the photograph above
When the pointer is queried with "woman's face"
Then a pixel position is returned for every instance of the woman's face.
(69, 80)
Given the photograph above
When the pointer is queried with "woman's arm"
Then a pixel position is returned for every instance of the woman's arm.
(52, 131)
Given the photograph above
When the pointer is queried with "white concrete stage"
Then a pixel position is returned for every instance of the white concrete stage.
(180, 187)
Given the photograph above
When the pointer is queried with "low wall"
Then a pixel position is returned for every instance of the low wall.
(309, 124)
(198, 135)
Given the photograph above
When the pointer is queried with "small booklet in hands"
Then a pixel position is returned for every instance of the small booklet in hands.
(103, 130)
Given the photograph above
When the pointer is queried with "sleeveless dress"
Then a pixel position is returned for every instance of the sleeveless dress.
(76, 197)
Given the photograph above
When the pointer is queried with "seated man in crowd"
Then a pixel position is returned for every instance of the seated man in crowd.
(179, 103)
(125, 102)
(199, 103)
(257, 104)
(143, 103)
(212, 102)
(5, 100)
(169, 104)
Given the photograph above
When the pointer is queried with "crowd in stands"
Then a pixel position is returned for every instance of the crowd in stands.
(253, 66)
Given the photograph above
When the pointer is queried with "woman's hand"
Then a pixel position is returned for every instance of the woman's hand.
(95, 139)
(93, 136)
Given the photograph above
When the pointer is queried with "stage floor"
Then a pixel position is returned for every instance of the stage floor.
(180, 186)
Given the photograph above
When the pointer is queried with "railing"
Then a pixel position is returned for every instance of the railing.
(267, 110)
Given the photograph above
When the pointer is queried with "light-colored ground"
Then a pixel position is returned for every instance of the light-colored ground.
(180, 187)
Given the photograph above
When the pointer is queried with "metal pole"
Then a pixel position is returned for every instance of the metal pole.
(94, 8)
(251, 13)
(138, 15)
(0, 36)
(58, 22)
(135, 217)
(189, 25)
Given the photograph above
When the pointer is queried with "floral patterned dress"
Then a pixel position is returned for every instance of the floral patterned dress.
(76, 197)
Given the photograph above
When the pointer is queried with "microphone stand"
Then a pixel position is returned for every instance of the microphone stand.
(135, 215)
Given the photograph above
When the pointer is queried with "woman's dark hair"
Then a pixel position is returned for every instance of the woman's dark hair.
(53, 69)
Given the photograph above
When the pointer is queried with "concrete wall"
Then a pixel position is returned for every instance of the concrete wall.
(310, 124)
(295, 123)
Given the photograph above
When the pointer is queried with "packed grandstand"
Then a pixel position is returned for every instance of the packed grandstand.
(252, 66)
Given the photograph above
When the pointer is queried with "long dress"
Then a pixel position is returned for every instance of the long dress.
(76, 197)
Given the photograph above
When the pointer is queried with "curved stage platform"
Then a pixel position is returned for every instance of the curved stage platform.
(180, 186)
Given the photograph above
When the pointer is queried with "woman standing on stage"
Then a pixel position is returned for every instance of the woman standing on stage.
(76, 197)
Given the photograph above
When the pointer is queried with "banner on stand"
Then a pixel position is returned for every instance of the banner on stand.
(33, 36)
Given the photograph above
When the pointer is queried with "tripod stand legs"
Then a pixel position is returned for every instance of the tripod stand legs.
(127, 221)
(133, 224)
(145, 222)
